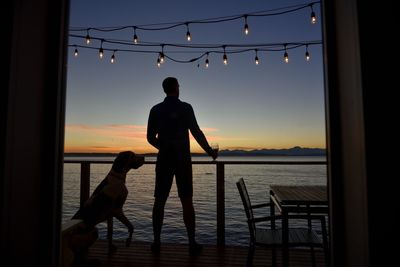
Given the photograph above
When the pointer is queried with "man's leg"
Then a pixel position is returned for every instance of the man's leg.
(158, 218)
(189, 218)
(190, 222)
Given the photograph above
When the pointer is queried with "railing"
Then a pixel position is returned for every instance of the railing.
(220, 184)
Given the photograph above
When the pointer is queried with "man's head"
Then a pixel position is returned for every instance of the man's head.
(171, 86)
(127, 160)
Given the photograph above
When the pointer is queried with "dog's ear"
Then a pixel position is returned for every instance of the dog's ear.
(122, 160)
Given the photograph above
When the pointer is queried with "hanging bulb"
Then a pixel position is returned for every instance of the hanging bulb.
(76, 52)
(286, 56)
(207, 63)
(161, 57)
(225, 59)
(101, 52)
(158, 62)
(246, 26)
(112, 60)
(256, 58)
(188, 35)
(313, 17)
(135, 38)
(307, 54)
(87, 38)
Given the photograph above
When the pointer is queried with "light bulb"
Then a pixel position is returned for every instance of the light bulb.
(313, 18)
(246, 26)
(87, 39)
(286, 57)
(112, 59)
(225, 59)
(256, 60)
(158, 62)
(76, 52)
(207, 62)
(135, 39)
(307, 56)
(161, 57)
(246, 29)
(188, 36)
(101, 52)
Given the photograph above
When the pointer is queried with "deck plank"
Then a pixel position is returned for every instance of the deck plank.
(139, 254)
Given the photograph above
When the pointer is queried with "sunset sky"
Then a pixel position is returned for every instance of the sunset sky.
(240, 105)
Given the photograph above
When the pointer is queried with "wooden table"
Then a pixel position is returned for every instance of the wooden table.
(303, 199)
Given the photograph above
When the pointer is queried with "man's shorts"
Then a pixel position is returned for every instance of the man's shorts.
(166, 168)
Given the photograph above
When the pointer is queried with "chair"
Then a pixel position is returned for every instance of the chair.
(272, 236)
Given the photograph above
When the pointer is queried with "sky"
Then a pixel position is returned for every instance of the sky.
(240, 105)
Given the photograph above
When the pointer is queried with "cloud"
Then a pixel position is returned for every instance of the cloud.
(123, 131)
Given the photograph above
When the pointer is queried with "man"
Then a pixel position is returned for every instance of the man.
(167, 130)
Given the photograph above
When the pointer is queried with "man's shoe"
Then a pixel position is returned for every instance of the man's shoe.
(195, 249)
(155, 247)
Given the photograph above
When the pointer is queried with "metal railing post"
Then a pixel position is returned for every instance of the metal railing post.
(85, 182)
(220, 204)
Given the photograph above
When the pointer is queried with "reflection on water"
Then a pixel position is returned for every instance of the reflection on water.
(140, 183)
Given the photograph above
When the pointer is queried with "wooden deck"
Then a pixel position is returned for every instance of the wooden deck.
(139, 254)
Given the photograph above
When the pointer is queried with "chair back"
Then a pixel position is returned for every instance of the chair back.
(244, 195)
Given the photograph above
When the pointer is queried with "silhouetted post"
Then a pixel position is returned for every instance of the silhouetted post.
(110, 228)
(220, 204)
(85, 182)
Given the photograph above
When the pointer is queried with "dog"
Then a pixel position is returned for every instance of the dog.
(106, 202)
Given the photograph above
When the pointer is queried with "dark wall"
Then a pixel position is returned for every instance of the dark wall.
(32, 131)
(380, 89)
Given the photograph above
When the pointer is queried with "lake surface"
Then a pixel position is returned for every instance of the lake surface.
(140, 183)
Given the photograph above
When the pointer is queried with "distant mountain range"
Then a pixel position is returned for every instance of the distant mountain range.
(294, 151)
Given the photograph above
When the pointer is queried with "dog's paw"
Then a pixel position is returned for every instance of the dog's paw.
(112, 249)
(128, 241)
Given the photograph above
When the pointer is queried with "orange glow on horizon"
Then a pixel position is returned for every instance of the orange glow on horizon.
(113, 138)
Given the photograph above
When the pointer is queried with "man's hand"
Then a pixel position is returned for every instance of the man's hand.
(214, 154)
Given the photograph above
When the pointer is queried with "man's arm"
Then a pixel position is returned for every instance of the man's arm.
(199, 135)
(152, 130)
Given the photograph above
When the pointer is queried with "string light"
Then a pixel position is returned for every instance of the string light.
(112, 60)
(256, 58)
(76, 52)
(135, 38)
(307, 54)
(246, 26)
(158, 62)
(313, 17)
(162, 55)
(87, 38)
(170, 25)
(188, 36)
(101, 51)
(225, 57)
(286, 55)
(236, 49)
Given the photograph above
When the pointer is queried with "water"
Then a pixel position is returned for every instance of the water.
(140, 183)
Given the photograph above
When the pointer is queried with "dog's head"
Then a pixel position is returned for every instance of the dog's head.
(127, 160)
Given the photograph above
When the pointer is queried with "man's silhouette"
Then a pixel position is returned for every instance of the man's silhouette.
(168, 131)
